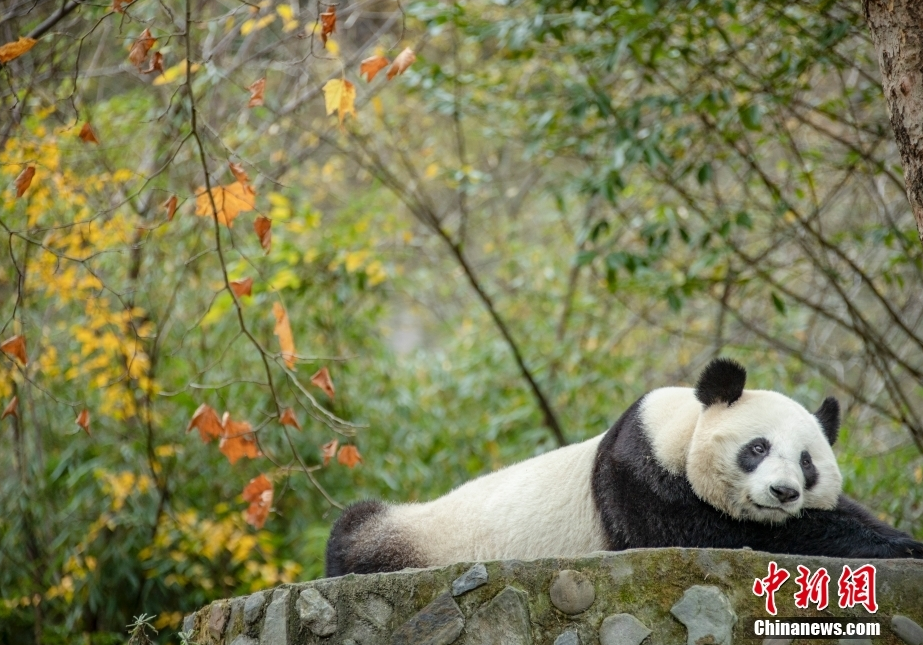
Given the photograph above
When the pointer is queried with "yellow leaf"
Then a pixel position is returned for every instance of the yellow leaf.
(12, 50)
(340, 97)
(174, 73)
(284, 331)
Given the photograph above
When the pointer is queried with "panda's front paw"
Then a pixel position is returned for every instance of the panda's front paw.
(907, 548)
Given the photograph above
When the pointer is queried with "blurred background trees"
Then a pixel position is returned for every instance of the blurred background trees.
(557, 207)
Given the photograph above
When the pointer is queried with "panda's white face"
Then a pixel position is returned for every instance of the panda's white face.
(762, 458)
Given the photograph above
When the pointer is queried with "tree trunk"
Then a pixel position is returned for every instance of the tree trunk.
(897, 31)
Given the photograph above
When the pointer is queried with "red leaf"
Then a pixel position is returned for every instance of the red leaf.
(259, 493)
(349, 456)
(322, 380)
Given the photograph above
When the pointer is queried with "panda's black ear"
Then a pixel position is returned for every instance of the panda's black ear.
(829, 416)
(722, 381)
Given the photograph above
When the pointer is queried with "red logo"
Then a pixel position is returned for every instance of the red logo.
(811, 589)
(857, 587)
(769, 585)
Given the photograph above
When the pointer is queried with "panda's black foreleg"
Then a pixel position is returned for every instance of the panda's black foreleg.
(847, 531)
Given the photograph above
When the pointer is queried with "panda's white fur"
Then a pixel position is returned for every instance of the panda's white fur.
(703, 445)
(539, 507)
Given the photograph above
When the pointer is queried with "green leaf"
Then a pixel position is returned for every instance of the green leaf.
(750, 116)
(585, 257)
(705, 173)
(778, 303)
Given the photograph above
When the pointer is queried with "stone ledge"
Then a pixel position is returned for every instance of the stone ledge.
(622, 598)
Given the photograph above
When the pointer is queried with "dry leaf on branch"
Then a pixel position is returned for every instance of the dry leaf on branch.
(15, 49)
(170, 205)
(322, 380)
(239, 173)
(329, 450)
(83, 420)
(10, 409)
(263, 227)
(242, 288)
(230, 201)
(340, 97)
(117, 5)
(87, 135)
(256, 92)
(206, 420)
(284, 331)
(237, 439)
(15, 346)
(24, 180)
(156, 64)
(371, 66)
(259, 494)
(287, 418)
(349, 456)
(140, 48)
(404, 60)
(328, 23)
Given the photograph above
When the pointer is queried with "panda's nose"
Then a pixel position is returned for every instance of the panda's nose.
(784, 493)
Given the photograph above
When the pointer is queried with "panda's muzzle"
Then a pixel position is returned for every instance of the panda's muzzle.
(784, 494)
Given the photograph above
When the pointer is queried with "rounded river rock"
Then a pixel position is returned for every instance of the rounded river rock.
(572, 592)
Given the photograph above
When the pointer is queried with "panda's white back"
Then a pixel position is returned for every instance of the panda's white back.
(541, 507)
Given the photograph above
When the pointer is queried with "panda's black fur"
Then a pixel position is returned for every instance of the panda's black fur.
(637, 502)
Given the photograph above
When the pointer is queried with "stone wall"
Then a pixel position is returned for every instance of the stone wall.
(649, 596)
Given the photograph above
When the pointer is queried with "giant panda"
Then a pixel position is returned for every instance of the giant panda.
(711, 466)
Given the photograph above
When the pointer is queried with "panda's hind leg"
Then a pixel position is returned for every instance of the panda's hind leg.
(363, 540)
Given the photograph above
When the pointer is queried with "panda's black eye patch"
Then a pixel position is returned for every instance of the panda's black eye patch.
(810, 471)
(752, 453)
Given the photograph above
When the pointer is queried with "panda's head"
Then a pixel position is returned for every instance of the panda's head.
(759, 455)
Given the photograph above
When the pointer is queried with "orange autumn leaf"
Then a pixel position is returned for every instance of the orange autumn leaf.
(322, 380)
(15, 49)
(87, 135)
(237, 439)
(340, 97)
(284, 331)
(259, 493)
(404, 60)
(242, 288)
(156, 64)
(117, 6)
(206, 420)
(24, 180)
(83, 420)
(10, 409)
(138, 52)
(328, 22)
(263, 227)
(371, 66)
(256, 92)
(239, 173)
(328, 450)
(230, 201)
(349, 456)
(170, 205)
(287, 418)
(15, 346)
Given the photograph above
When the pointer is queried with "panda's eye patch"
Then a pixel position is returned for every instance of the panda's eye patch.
(809, 470)
(752, 453)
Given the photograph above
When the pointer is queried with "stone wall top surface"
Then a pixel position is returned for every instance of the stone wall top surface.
(650, 596)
